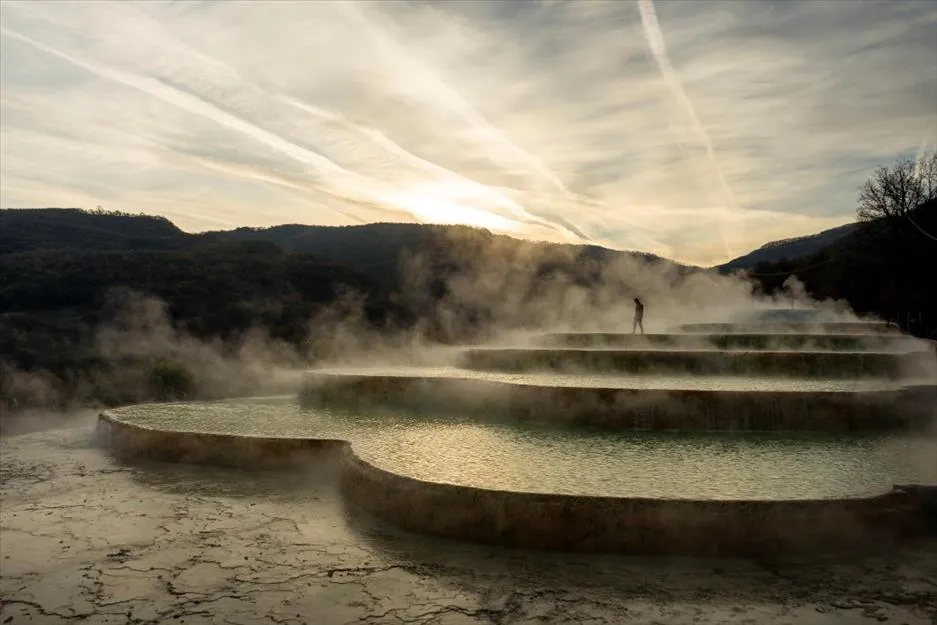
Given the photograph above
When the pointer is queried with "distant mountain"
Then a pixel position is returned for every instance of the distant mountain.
(788, 249)
(886, 267)
(62, 270)
(375, 250)
(32, 229)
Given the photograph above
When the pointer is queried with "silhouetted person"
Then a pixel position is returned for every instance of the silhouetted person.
(638, 316)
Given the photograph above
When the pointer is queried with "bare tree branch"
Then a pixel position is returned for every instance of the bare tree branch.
(895, 191)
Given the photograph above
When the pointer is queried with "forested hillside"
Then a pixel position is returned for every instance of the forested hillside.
(65, 274)
(103, 307)
(886, 267)
(70, 228)
(788, 249)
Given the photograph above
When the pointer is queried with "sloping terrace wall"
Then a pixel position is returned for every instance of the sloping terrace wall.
(632, 408)
(550, 521)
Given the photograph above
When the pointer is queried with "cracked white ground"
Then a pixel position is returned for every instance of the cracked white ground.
(84, 538)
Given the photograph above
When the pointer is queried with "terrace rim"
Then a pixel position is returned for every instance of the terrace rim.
(543, 520)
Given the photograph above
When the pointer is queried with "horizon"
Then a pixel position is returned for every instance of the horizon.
(231, 228)
(675, 143)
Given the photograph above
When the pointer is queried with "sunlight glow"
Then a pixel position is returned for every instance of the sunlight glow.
(431, 208)
(698, 130)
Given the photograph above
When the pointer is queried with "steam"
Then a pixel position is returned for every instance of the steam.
(466, 287)
(135, 346)
(501, 282)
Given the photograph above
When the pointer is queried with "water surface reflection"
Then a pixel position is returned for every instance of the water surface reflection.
(541, 458)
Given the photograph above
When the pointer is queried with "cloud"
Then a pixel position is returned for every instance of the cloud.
(692, 130)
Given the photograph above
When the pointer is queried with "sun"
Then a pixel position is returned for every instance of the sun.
(430, 207)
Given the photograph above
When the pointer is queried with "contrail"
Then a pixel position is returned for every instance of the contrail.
(409, 158)
(655, 41)
(375, 136)
(252, 173)
(193, 104)
(351, 185)
(454, 101)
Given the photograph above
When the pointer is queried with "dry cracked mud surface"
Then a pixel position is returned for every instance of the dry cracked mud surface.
(87, 539)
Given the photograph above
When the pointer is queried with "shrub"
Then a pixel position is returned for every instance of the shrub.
(170, 381)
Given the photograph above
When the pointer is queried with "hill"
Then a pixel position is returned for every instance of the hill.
(378, 249)
(788, 249)
(66, 274)
(375, 249)
(886, 267)
(27, 230)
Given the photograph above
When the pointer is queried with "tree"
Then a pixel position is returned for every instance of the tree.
(897, 190)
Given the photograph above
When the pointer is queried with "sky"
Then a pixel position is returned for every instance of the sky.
(690, 129)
